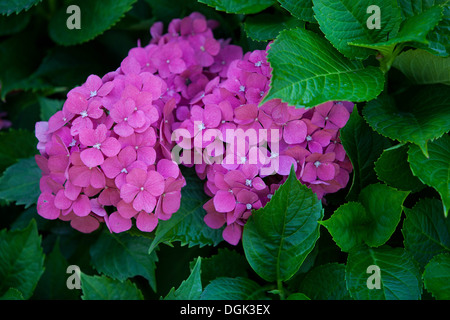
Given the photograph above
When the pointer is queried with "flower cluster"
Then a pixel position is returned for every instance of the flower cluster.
(101, 156)
(243, 174)
(112, 153)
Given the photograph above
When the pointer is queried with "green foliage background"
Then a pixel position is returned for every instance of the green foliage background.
(393, 213)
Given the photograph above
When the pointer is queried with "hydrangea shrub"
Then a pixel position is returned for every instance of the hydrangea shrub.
(299, 150)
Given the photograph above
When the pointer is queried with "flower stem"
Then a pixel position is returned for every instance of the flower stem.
(280, 289)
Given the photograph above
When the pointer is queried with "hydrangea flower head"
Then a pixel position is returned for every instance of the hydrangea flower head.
(106, 157)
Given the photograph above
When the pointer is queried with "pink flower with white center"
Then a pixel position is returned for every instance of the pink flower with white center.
(117, 167)
(127, 117)
(223, 59)
(320, 167)
(59, 119)
(110, 195)
(142, 188)
(257, 87)
(266, 197)
(299, 155)
(338, 149)
(294, 130)
(169, 201)
(205, 49)
(87, 111)
(256, 61)
(246, 178)
(330, 115)
(83, 176)
(142, 56)
(101, 145)
(246, 202)
(224, 196)
(249, 116)
(316, 138)
(81, 205)
(210, 86)
(143, 143)
(169, 60)
(245, 84)
(93, 87)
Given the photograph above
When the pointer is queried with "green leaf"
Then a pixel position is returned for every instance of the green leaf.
(187, 225)
(121, 256)
(226, 263)
(434, 171)
(301, 9)
(419, 116)
(297, 296)
(10, 6)
(349, 225)
(49, 107)
(400, 275)
(371, 221)
(238, 6)
(191, 288)
(414, 29)
(278, 237)
(308, 71)
(326, 282)
(12, 294)
(166, 11)
(104, 288)
(227, 288)
(22, 260)
(13, 24)
(70, 66)
(265, 27)
(411, 8)
(96, 17)
(20, 183)
(425, 230)
(17, 68)
(363, 146)
(439, 37)
(384, 205)
(437, 277)
(422, 67)
(52, 285)
(345, 21)
(16, 144)
(393, 168)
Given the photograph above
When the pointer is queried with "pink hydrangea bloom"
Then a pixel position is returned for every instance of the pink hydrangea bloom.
(106, 156)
